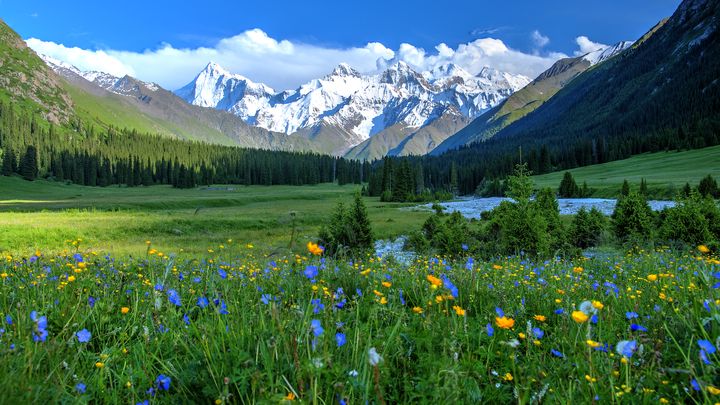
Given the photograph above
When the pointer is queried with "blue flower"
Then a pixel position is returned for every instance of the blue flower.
(637, 328)
(464, 247)
(631, 315)
(559, 311)
(266, 299)
(402, 299)
(174, 297)
(162, 382)
(626, 348)
(78, 257)
(222, 273)
(316, 327)
(538, 333)
(83, 336)
(186, 319)
(91, 301)
(340, 304)
(202, 302)
(469, 264)
(8, 319)
(311, 272)
(557, 353)
(695, 385)
(317, 305)
(222, 307)
(340, 339)
(707, 346)
(80, 388)
(40, 333)
(489, 329)
(499, 312)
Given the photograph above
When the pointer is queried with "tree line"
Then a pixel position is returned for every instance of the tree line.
(87, 155)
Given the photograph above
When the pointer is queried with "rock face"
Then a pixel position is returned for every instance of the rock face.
(25, 78)
(346, 108)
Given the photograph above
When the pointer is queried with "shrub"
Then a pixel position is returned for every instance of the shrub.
(587, 228)
(632, 219)
(685, 222)
(708, 187)
(348, 230)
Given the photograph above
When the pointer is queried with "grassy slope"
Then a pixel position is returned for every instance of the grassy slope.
(665, 172)
(44, 215)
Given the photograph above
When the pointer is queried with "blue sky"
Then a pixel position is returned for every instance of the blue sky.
(544, 29)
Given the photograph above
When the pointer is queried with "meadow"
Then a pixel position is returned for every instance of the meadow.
(240, 327)
(665, 172)
(44, 215)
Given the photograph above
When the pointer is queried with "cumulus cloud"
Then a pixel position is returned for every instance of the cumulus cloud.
(586, 45)
(285, 64)
(539, 39)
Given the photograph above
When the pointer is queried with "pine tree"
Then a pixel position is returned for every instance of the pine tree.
(625, 190)
(568, 188)
(643, 187)
(360, 225)
(28, 164)
(8, 164)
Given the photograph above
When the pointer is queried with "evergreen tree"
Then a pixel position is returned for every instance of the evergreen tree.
(568, 188)
(29, 164)
(643, 187)
(360, 225)
(8, 164)
(625, 190)
(708, 187)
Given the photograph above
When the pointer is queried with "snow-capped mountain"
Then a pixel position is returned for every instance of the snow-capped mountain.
(606, 53)
(358, 105)
(114, 84)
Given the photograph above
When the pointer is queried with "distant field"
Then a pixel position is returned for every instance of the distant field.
(665, 172)
(45, 215)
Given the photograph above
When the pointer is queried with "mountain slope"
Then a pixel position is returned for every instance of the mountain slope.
(345, 108)
(667, 82)
(26, 81)
(146, 107)
(529, 98)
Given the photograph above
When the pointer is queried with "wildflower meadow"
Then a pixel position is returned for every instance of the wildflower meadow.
(238, 326)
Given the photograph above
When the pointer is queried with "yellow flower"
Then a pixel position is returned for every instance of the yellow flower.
(124, 310)
(99, 364)
(417, 310)
(289, 397)
(598, 304)
(508, 377)
(459, 310)
(71, 278)
(383, 300)
(593, 343)
(577, 270)
(434, 280)
(652, 277)
(540, 318)
(521, 335)
(504, 322)
(218, 401)
(703, 249)
(439, 299)
(386, 284)
(713, 390)
(3, 275)
(579, 316)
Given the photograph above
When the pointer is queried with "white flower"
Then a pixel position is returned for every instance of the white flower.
(353, 373)
(512, 343)
(587, 308)
(374, 357)
(317, 362)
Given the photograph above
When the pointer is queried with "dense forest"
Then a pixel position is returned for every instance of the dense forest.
(81, 154)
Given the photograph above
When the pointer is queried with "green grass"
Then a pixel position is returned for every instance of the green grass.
(45, 215)
(273, 331)
(665, 172)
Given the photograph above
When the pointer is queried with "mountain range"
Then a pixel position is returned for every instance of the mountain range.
(346, 109)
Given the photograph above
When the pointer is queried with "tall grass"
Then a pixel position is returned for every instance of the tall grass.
(238, 326)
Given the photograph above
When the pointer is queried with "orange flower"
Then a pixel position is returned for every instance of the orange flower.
(434, 280)
(315, 249)
(459, 310)
(540, 318)
(289, 397)
(124, 310)
(504, 322)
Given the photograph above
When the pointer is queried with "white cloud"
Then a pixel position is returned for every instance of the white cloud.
(285, 64)
(539, 39)
(586, 45)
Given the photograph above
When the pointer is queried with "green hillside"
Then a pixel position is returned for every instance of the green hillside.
(665, 172)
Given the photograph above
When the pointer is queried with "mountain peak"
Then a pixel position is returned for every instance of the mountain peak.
(344, 69)
(606, 53)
